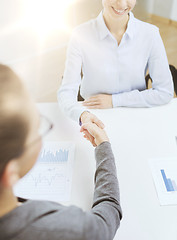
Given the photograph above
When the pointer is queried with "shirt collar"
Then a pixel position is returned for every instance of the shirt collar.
(130, 27)
(104, 31)
(102, 28)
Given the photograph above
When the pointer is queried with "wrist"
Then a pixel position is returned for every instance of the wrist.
(100, 141)
(101, 137)
(103, 142)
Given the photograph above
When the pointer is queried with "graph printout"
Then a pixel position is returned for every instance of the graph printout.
(51, 177)
(164, 172)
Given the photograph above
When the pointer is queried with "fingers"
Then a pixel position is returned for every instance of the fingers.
(85, 126)
(100, 101)
(87, 129)
(90, 103)
(90, 138)
(95, 107)
(91, 127)
(94, 134)
(91, 118)
(98, 122)
(92, 98)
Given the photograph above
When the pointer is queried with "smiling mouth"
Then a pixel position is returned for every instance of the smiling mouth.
(119, 12)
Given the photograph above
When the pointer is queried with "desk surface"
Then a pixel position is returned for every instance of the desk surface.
(136, 134)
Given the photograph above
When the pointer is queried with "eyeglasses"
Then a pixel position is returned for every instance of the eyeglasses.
(44, 129)
(45, 126)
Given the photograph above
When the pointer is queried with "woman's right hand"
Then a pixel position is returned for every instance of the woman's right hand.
(87, 117)
(94, 134)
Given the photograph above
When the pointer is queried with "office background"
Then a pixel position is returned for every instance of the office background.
(34, 36)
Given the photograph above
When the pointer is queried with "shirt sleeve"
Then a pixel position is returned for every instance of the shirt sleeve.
(48, 220)
(67, 94)
(162, 90)
(104, 219)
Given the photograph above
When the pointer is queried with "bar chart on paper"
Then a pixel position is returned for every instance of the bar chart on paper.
(51, 177)
(170, 184)
(164, 172)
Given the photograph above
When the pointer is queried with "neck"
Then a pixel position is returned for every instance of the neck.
(8, 201)
(116, 26)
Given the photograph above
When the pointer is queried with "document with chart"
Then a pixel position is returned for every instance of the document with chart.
(51, 177)
(164, 172)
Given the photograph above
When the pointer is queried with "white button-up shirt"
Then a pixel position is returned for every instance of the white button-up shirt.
(114, 69)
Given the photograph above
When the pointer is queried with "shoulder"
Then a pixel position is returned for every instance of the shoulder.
(145, 27)
(63, 223)
(85, 29)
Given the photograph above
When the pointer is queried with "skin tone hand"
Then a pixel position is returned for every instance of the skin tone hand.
(94, 134)
(99, 101)
(87, 117)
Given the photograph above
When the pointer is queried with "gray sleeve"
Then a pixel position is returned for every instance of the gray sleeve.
(104, 219)
(47, 220)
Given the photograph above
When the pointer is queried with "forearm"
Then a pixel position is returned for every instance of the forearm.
(67, 100)
(106, 183)
(106, 203)
(146, 98)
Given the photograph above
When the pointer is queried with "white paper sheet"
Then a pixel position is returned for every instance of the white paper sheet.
(51, 177)
(164, 172)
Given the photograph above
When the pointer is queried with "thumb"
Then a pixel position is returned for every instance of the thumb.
(98, 122)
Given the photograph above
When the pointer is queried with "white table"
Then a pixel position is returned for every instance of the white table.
(136, 135)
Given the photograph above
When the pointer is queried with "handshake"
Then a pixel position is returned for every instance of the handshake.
(93, 129)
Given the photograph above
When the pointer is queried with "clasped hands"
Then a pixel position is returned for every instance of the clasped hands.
(93, 129)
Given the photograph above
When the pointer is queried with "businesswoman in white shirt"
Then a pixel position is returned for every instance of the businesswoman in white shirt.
(114, 52)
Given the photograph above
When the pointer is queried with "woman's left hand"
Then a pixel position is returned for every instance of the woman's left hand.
(98, 101)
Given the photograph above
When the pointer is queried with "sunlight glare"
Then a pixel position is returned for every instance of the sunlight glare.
(46, 16)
